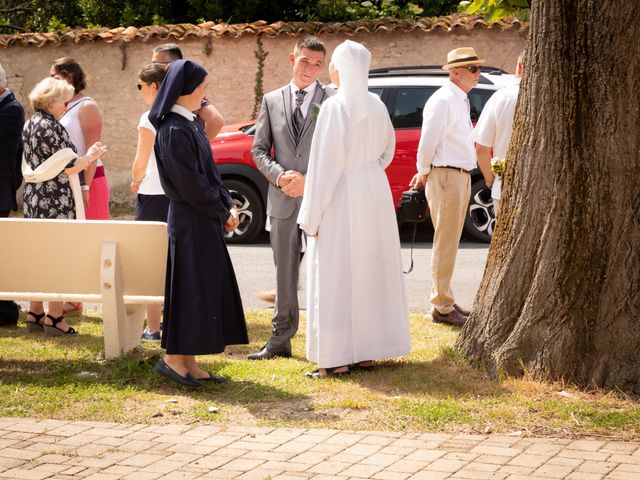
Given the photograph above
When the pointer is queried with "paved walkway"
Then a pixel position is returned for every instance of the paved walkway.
(65, 450)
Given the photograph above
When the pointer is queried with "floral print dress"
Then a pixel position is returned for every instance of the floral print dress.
(43, 136)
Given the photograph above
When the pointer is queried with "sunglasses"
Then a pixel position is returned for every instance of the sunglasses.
(473, 68)
(139, 85)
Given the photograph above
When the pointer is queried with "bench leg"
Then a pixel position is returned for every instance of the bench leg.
(122, 324)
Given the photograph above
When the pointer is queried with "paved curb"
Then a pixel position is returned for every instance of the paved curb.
(64, 450)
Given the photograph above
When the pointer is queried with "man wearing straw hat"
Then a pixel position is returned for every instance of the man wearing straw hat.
(446, 156)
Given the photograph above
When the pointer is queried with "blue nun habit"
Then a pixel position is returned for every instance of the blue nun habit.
(202, 308)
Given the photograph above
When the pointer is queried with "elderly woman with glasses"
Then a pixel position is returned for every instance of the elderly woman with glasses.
(50, 167)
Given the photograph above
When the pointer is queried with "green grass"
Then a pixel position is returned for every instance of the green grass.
(432, 389)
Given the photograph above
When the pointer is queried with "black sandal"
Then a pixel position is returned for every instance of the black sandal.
(54, 331)
(36, 326)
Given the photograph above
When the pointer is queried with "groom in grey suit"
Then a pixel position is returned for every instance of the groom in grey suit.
(285, 124)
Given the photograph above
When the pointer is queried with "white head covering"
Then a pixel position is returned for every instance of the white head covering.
(352, 61)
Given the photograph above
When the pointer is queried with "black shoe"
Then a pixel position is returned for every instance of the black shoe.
(213, 379)
(166, 371)
(451, 318)
(266, 354)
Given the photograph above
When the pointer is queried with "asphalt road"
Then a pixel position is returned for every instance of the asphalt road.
(255, 271)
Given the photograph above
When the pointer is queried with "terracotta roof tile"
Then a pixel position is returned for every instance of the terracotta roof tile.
(217, 30)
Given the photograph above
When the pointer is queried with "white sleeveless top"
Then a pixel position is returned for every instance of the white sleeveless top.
(151, 182)
(71, 123)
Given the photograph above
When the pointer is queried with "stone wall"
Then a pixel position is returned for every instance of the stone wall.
(113, 67)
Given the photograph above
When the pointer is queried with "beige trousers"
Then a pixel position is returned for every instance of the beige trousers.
(448, 194)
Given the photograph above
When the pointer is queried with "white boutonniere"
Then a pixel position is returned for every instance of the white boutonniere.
(315, 110)
(497, 166)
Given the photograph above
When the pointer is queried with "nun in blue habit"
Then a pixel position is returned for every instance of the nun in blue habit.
(202, 310)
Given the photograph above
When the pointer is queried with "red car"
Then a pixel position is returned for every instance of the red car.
(404, 90)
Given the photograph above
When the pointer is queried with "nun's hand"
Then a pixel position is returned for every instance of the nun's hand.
(233, 221)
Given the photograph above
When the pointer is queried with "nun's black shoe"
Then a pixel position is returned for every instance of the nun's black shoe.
(213, 379)
(166, 371)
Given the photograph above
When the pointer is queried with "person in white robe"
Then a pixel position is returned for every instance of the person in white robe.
(356, 299)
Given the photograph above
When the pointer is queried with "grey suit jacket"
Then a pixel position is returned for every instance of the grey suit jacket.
(274, 130)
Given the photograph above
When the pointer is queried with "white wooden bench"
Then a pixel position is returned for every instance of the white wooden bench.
(120, 264)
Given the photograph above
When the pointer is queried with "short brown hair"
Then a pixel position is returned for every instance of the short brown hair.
(310, 42)
(153, 73)
(67, 67)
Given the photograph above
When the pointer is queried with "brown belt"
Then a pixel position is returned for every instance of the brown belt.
(461, 170)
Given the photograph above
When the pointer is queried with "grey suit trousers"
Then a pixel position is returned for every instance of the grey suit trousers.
(286, 244)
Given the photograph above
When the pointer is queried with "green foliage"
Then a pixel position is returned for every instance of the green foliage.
(497, 9)
(45, 15)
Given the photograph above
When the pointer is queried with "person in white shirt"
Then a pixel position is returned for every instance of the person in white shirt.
(446, 156)
(493, 131)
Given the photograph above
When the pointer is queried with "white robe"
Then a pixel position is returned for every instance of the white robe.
(356, 298)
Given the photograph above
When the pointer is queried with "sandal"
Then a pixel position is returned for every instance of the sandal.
(364, 365)
(71, 309)
(35, 326)
(328, 372)
(54, 331)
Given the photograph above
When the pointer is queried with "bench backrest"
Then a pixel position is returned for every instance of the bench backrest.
(64, 256)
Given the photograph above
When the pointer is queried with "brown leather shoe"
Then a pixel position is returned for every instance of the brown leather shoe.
(268, 296)
(451, 318)
(461, 310)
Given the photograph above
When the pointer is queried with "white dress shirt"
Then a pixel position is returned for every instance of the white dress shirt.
(306, 102)
(446, 131)
(495, 125)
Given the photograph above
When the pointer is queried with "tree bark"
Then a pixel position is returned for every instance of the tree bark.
(560, 296)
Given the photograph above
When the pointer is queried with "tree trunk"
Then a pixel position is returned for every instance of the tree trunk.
(560, 296)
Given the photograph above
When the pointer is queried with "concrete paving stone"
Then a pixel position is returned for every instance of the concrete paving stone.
(456, 446)
(586, 445)
(389, 475)
(346, 458)
(92, 450)
(625, 467)
(501, 440)
(141, 475)
(407, 466)
(262, 446)
(346, 439)
(435, 437)
(45, 438)
(149, 436)
(630, 459)
(584, 454)
(494, 450)
(291, 476)
(328, 477)
(103, 476)
(361, 449)
(164, 466)
(618, 475)
(210, 462)
(460, 456)
(568, 462)
(329, 468)
(415, 443)
(478, 475)
(584, 476)
(50, 467)
(259, 474)
(171, 429)
(620, 447)
(79, 439)
(280, 435)
(429, 475)
(94, 462)
(21, 436)
(53, 458)
(110, 441)
(137, 445)
(220, 475)
(540, 448)
(526, 477)
(553, 471)
(197, 449)
(108, 432)
(310, 457)
(22, 474)
(516, 470)
(218, 441)
(74, 470)
(381, 459)
(442, 465)
(483, 467)
(295, 446)
(204, 431)
(182, 457)
(6, 442)
(242, 464)
(52, 448)
(249, 430)
(179, 439)
(21, 454)
(61, 477)
(276, 456)
(141, 460)
(120, 470)
(286, 466)
(28, 428)
(326, 447)
(533, 461)
(423, 455)
(375, 439)
(597, 467)
(231, 453)
(361, 471)
(180, 475)
(402, 451)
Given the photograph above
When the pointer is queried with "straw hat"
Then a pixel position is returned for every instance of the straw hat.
(461, 57)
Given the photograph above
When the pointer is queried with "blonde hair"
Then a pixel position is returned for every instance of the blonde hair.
(49, 91)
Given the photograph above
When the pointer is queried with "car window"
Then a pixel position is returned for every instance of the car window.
(408, 106)
(477, 99)
(376, 90)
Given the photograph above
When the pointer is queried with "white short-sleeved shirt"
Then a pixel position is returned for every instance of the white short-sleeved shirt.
(495, 125)
(446, 131)
(151, 182)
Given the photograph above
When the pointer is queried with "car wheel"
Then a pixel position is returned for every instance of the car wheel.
(250, 209)
(481, 217)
